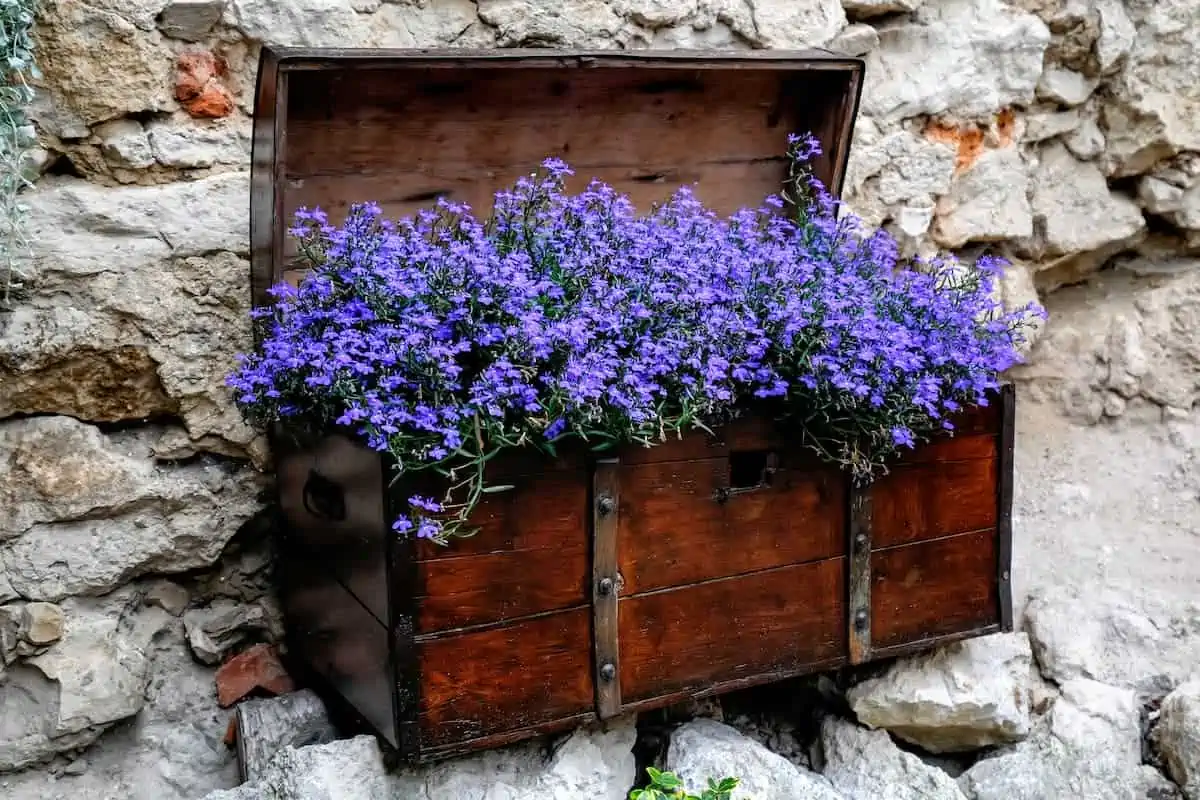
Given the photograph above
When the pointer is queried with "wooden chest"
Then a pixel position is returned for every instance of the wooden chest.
(599, 587)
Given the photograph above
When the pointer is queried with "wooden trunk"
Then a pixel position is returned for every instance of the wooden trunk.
(598, 587)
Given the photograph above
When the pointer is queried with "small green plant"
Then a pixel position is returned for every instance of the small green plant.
(16, 135)
(668, 786)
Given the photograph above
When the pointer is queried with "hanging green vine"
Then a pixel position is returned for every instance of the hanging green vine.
(16, 136)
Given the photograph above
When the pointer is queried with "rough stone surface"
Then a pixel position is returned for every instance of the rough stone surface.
(100, 62)
(867, 765)
(592, 763)
(1078, 216)
(156, 306)
(862, 9)
(190, 20)
(1116, 642)
(65, 698)
(83, 513)
(1178, 737)
(1155, 109)
(705, 749)
(967, 696)
(972, 57)
(1090, 745)
(41, 623)
(1043, 129)
(215, 631)
(987, 202)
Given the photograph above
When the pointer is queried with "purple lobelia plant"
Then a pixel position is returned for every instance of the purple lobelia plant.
(444, 339)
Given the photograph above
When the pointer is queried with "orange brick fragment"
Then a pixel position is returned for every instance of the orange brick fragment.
(257, 669)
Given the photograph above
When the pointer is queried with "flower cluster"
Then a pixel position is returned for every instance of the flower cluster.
(444, 339)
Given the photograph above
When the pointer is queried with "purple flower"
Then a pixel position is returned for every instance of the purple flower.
(444, 339)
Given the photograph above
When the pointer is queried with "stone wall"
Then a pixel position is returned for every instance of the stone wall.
(1062, 133)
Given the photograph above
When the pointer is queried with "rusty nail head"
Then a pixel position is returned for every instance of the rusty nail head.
(860, 619)
(607, 505)
(608, 672)
(606, 586)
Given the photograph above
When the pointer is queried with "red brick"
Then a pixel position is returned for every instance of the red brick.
(198, 85)
(257, 669)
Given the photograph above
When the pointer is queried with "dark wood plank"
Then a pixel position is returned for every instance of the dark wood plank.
(954, 448)
(505, 678)
(675, 531)
(344, 121)
(690, 637)
(723, 186)
(606, 586)
(933, 588)
(268, 123)
(1004, 500)
(859, 621)
(530, 555)
(924, 501)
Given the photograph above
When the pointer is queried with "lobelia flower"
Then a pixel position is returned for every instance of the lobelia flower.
(444, 339)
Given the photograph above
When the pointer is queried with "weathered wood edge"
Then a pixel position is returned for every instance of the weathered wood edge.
(404, 611)
(446, 751)
(262, 172)
(606, 586)
(858, 546)
(306, 58)
(909, 648)
(724, 687)
(265, 726)
(841, 158)
(1004, 499)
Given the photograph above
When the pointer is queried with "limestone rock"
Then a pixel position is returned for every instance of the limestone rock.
(1178, 737)
(863, 9)
(855, 40)
(867, 765)
(1154, 111)
(570, 22)
(1145, 648)
(987, 202)
(124, 142)
(1090, 745)
(1086, 141)
(971, 57)
(1065, 86)
(1047, 125)
(82, 515)
(171, 750)
(784, 23)
(190, 20)
(966, 696)
(295, 23)
(888, 171)
(450, 22)
(132, 76)
(1078, 216)
(1126, 335)
(10, 634)
(93, 677)
(704, 749)
(184, 144)
(170, 597)
(593, 763)
(656, 14)
(41, 623)
(137, 307)
(216, 631)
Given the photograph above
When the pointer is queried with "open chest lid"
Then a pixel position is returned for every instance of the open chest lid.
(404, 127)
